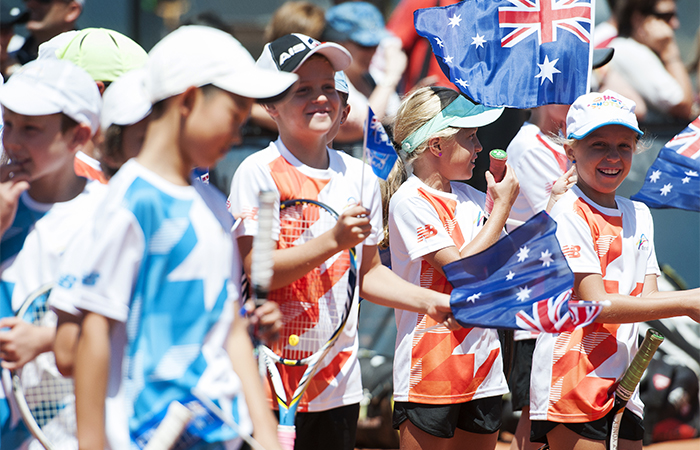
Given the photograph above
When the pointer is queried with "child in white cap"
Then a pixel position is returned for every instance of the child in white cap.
(448, 384)
(608, 242)
(51, 110)
(159, 309)
(300, 165)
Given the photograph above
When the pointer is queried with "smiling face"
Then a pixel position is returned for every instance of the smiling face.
(603, 160)
(459, 155)
(314, 103)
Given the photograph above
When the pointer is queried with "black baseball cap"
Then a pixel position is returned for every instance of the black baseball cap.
(288, 53)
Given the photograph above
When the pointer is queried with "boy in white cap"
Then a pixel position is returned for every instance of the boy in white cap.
(51, 110)
(300, 165)
(159, 313)
(608, 242)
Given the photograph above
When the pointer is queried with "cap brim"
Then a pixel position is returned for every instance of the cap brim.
(257, 83)
(28, 99)
(602, 56)
(338, 56)
(582, 135)
(482, 118)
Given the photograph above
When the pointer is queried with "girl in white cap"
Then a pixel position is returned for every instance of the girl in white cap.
(609, 244)
(447, 384)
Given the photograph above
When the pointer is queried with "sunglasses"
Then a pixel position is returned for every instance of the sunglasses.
(666, 17)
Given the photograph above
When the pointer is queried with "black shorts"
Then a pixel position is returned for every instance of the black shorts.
(631, 428)
(519, 382)
(482, 416)
(334, 428)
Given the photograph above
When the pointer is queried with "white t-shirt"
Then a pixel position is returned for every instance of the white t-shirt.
(576, 372)
(438, 366)
(159, 260)
(646, 74)
(337, 382)
(30, 254)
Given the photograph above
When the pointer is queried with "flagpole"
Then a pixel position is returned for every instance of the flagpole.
(364, 155)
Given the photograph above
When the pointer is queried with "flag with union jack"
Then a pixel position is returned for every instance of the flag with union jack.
(379, 151)
(514, 53)
(522, 282)
(673, 180)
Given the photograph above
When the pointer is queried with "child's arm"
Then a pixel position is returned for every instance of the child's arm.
(22, 342)
(653, 304)
(65, 344)
(293, 263)
(91, 374)
(240, 350)
(380, 285)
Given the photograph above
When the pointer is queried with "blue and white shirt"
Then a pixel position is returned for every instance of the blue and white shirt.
(159, 260)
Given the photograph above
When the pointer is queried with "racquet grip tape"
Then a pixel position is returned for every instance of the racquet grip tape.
(497, 164)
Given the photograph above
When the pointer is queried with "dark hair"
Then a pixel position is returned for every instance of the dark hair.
(67, 123)
(112, 147)
(626, 8)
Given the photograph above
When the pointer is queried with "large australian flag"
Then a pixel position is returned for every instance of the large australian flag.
(514, 53)
(673, 180)
(522, 282)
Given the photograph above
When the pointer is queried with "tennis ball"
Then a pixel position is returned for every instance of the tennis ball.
(293, 340)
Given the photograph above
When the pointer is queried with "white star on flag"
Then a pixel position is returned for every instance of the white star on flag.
(666, 189)
(547, 69)
(686, 180)
(462, 82)
(523, 253)
(655, 176)
(455, 20)
(510, 275)
(523, 294)
(691, 173)
(546, 258)
(448, 59)
(474, 298)
(439, 42)
(478, 41)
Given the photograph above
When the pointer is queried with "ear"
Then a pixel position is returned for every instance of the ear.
(271, 110)
(434, 146)
(73, 12)
(344, 114)
(569, 150)
(79, 136)
(188, 100)
(100, 86)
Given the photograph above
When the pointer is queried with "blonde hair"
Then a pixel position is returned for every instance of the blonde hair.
(417, 108)
(296, 17)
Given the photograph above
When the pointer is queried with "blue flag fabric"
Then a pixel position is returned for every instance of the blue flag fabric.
(379, 152)
(514, 53)
(522, 282)
(673, 180)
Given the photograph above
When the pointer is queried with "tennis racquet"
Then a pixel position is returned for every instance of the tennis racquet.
(44, 398)
(630, 380)
(315, 308)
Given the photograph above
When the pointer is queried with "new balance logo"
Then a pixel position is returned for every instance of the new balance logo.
(426, 232)
(571, 251)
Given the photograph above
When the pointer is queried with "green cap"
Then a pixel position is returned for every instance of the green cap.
(498, 154)
(104, 54)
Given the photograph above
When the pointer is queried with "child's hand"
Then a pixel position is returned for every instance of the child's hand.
(266, 320)
(441, 312)
(505, 191)
(13, 181)
(561, 186)
(352, 228)
(22, 342)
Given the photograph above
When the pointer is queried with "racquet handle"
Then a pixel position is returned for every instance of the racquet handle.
(497, 167)
(639, 364)
(286, 434)
(171, 427)
(263, 248)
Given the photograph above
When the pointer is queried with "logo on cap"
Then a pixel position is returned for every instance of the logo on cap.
(605, 101)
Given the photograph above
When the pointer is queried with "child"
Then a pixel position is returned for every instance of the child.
(51, 110)
(609, 244)
(300, 165)
(156, 278)
(447, 386)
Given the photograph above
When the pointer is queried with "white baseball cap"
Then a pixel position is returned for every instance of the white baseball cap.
(50, 86)
(289, 52)
(195, 55)
(594, 110)
(126, 101)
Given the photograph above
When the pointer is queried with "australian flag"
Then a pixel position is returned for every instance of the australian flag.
(522, 282)
(379, 152)
(673, 180)
(514, 53)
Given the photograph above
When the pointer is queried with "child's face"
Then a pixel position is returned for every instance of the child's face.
(603, 160)
(214, 125)
(459, 155)
(36, 143)
(314, 105)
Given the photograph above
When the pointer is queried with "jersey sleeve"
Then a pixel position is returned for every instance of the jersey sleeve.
(574, 236)
(251, 178)
(652, 262)
(420, 227)
(99, 270)
(537, 173)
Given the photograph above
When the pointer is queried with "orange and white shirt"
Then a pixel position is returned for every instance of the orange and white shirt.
(337, 382)
(438, 366)
(574, 374)
(88, 167)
